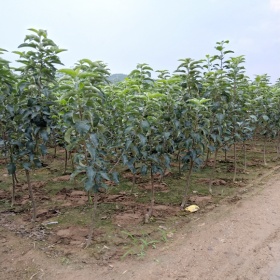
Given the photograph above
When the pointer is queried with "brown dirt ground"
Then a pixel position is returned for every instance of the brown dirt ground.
(238, 240)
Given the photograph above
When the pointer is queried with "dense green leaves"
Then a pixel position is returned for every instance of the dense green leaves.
(142, 123)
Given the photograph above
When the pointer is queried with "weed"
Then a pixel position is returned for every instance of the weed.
(65, 261)
(138, 246)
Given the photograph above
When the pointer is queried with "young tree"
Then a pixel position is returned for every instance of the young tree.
(87, 131)
(34, 99)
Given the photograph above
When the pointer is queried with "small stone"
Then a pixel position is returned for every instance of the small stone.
(170, 234)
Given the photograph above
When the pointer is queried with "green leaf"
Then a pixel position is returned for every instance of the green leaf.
(44, 135)
(166, 135)
(91, 173)
(33, 30)
(220, 117)
(82, 127)
(10, 109)
(155, 95)
(143, 139)
(213, 136)
(11, 167)
(128, 129)
(105, 176)
(225, 52)
(130, 165)
(78, 170)
(156, 169)
(88, 185)
(26, 166)
(37, 163)
(94, 139)
(69, 72)
(43, 149)
(67, 136)
(144, 169)
(128, 144)
(265, 118)
(28, 45)
(92, 151)
(145, 124)
(22, 86)
(115, 176)
(124, 159)
(167, 161)
(60, 50)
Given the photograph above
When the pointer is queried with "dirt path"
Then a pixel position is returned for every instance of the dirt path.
(233, 241)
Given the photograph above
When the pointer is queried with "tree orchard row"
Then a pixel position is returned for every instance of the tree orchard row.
(142, 123)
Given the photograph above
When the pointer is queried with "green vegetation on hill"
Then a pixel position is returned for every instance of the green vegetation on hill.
(116, 78)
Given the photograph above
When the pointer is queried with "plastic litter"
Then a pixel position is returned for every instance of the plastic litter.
(192, 208)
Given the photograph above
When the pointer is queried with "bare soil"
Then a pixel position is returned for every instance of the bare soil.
(239, 239)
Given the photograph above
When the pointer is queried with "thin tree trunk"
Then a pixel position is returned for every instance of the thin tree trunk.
(162, 175)
(133, 183)
(93, 220)
(133, 180)
(207, 157)
(5, 149)
(31, 195)
(72, 161)
(215, 158)
(178, 158)
(13, 189)
(245, 156)
(213, 174)
(150, 213)
(85, 152)
(264, 152)
(16, 179)
(65, 160)
(254, 138)
(71, 158)
(278, 145)
(88, 197)
(179, 161)
(187, 187)
(235, 162)
(55, 150)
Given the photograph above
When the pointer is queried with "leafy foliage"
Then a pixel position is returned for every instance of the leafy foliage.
(141, 122)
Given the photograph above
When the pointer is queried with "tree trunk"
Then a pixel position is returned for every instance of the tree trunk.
(235, 162)
(245, 156)
(179, 161)
(55, 151)
(93, 220)
(277, 146)
(16, 179)
(31, 195)
(187, 187)
(207, 157)
(162, 175)
(13, 189)
(150, 212)
(264, 152)
(5, 150)
(133, 180)
(213, 174)
(65, 160)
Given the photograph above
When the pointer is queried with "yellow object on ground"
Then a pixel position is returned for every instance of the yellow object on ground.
(192, 208)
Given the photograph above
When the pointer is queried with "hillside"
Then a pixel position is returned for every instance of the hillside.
(115, 78)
